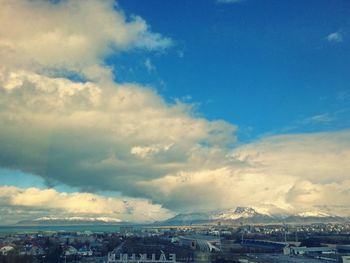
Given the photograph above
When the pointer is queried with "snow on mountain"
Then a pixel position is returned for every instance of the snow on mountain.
(252, 215)
(314, 214)
(239, 212)
(78, 218)
(75, 220)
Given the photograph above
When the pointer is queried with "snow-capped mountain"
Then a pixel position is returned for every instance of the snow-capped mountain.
(79, 218)
(314, 214)
(236, 214)
(71, 221)
(252, 215)
(245, 215)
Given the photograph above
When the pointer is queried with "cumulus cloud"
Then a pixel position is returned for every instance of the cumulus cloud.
(48, 203)
(336, 37)
(100, 139)
(70, 35)
(315, 166)
(94, 134)
(290, 173)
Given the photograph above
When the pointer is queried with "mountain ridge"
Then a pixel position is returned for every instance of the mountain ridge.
(239, 215)
(42, 221)
(251, 215)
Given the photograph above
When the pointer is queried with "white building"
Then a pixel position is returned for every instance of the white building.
(6, 249)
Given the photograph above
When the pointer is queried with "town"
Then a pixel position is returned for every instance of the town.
(321, 242)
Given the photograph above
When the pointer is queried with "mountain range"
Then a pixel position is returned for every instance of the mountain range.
(60, 221)
(248, 215)
(238, 215)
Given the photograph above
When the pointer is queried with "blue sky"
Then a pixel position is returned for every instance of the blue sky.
(164, 104)
(266, 66)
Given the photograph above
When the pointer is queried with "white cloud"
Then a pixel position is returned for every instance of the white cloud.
(125, 135)
(147, 151)
(319, 119)
(149, 65)
(71, 35)
(316, 164)
(294, 173)
(141, 146)
(336, 37)
(53, 204)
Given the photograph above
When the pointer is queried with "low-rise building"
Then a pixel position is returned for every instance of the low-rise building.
(201, 242)
(312, 250)
(5, 250)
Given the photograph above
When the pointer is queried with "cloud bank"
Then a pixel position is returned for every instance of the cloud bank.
(49, 203)
(97, 134)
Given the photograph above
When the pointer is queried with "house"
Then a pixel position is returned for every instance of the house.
(70, 251)
(85, 252)
(5, 250)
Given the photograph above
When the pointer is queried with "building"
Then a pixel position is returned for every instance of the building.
(312, 250)
(201, 242)
(70, 251)
(5, 250)
(345, 259)
(343, 248)
(264, 245)
(85, 251)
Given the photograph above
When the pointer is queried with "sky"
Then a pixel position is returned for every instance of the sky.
(138, 110)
